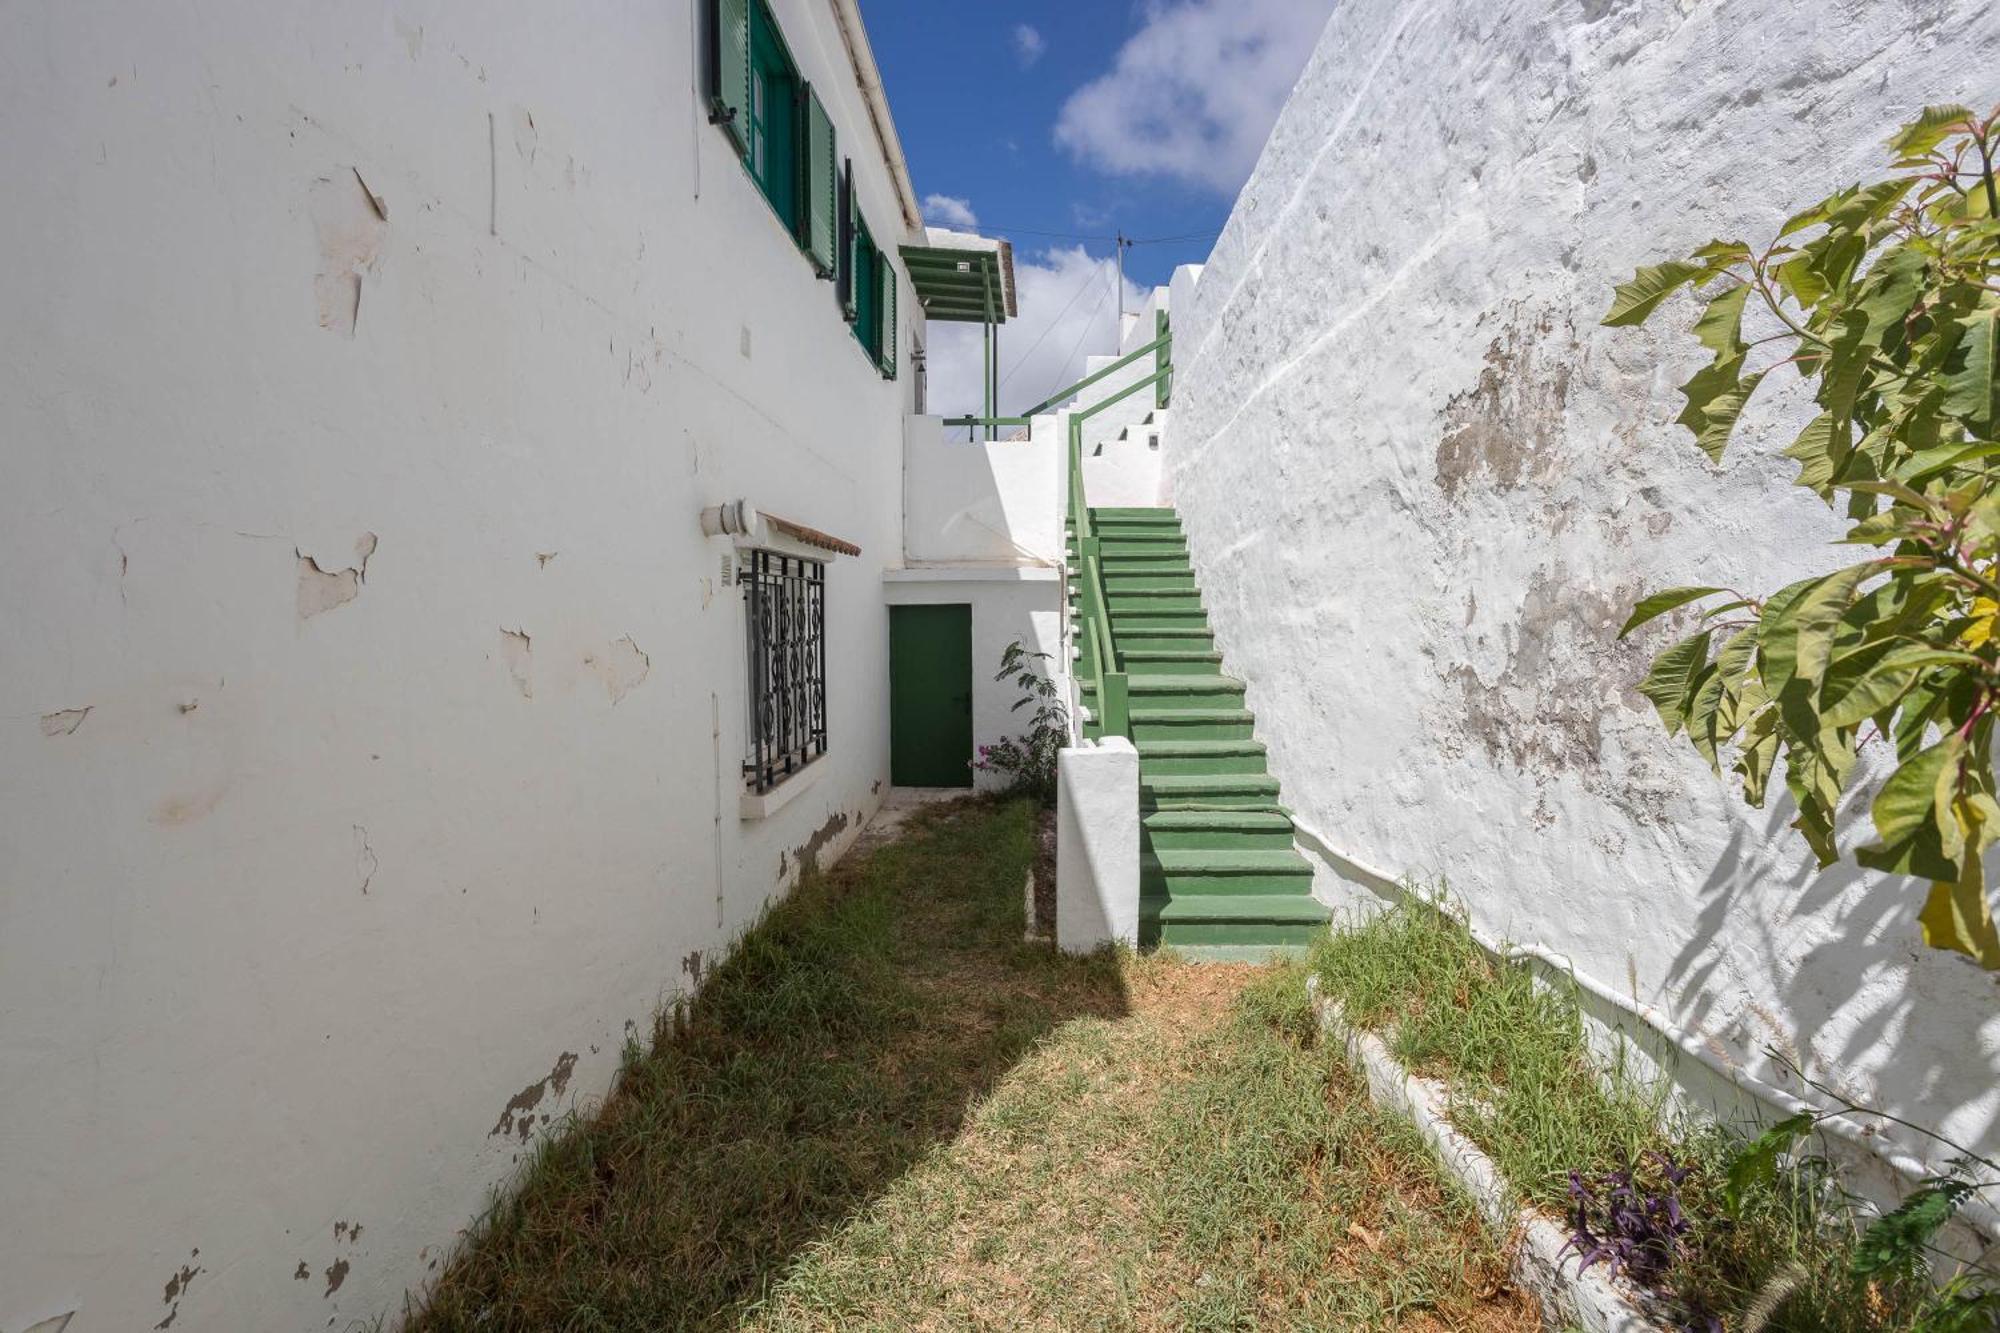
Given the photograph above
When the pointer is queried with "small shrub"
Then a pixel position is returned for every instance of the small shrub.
(1029, 759)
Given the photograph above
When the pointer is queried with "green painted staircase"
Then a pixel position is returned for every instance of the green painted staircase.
(1218, 872)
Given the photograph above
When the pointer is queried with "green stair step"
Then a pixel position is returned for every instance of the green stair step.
(1231, 919)
(1207, 790)
(1164, 640)
(1126, 622)
(1233, 872)
(1148, 549)
(1137, 513)
(1122, 583)
(1158, 661)
(1165, 723)
(1200, 756)
(1145, 601)
(1216, 691)
(1195, 829)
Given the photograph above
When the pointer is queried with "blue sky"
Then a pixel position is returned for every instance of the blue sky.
(1080, 119)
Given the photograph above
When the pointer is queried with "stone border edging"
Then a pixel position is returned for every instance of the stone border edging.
(1586, 1300)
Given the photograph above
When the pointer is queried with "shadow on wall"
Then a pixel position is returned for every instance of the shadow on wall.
(848, 1034)
(1853, 993)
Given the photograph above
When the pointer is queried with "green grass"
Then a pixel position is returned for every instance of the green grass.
(886, 1111)
(1525, 1087)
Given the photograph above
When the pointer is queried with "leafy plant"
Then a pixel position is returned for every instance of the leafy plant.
(1029, 758)
(1630, 1220)
(1886, 297)
(1897, 1245)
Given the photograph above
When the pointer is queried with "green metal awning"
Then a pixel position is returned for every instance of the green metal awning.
(966, 283)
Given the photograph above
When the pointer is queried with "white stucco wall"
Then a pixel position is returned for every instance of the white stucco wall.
(373, 706)
(1422, 488)
(981, 502)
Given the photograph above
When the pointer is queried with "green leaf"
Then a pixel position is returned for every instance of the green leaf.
(1972, 373)
(1715, 398)
(1635, 300)
(1757, 1164)
(1861, 683)
(1817, 615)
(1703, 710)
(1956, 915)
(1660, 603)
(1814, 451)
(1777, 644)
(1737, 653)
(1720, 328)
(1759, 752)
(1895, 1241)
(1671, 682)
(1927, 463)
(1908, 801)
(1801, 283)
(1933, 127)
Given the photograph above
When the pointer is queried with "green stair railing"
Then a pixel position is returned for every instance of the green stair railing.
(1160, 349)
(1106, 664)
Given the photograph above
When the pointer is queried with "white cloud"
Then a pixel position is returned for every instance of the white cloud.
(1068, 312)
(1028, 44)
(1193, 94)
(950, 211)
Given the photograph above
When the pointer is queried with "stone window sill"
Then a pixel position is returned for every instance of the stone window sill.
(764, 804)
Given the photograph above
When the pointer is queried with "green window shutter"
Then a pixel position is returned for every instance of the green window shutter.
(849, 246)
(820, 190)
(729, 68)
(886, 350)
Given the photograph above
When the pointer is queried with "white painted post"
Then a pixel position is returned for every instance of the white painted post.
(1097, 845)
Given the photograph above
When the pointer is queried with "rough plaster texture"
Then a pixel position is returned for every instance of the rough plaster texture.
(1422, 487)
(1097, 845)
(374, 704)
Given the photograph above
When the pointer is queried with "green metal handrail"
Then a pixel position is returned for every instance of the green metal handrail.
(1161, 349)
(1162, 345)
(1114, 713)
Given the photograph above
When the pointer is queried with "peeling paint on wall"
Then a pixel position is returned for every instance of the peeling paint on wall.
(517, 651)
(516, 1117)
(322, 589)
(177, 1286)
(336, 1273)
(1507, 426)
(622, 667)
(66, 721)
(350, 222)
(807, 854)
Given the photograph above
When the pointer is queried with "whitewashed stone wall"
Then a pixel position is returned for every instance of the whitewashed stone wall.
(1423, 487)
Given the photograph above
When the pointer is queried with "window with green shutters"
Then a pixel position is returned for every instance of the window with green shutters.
(867, 288)
(787, 140)
(729, 68)
(774, 151)
(885, 350)
(817, 179)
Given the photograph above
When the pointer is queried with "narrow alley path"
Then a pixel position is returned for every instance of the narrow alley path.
(888, 1111)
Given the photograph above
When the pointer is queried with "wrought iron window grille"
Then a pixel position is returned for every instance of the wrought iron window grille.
(784, 600)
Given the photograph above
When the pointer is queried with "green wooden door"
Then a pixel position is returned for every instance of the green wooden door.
(930, 696)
